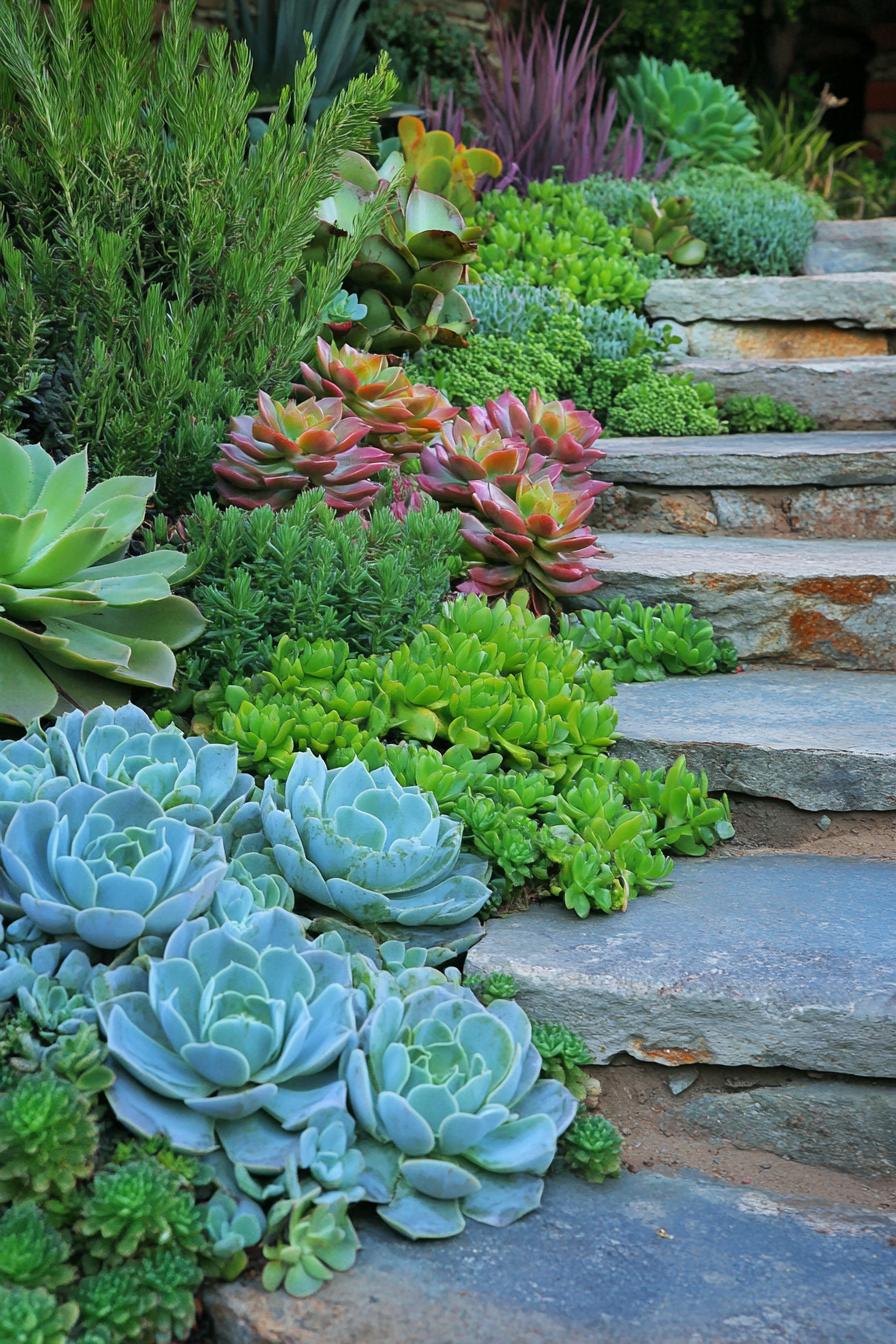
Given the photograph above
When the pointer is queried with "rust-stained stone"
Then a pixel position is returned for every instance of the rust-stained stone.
(867, 511)
(782, 340)
(825, 603)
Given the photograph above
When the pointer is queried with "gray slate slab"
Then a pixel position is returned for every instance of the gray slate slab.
(829, 603)
(763, 960)
(647, 1259)
(821, 739)
(847, 1125)
(835, 458)
(852, 245)
(866, 299)
(838, 393)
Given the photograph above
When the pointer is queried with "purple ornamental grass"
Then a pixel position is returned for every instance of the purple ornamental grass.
(545, 104)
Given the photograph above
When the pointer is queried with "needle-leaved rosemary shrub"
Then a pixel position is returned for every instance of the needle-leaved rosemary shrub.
(153, 270)
(310, 574)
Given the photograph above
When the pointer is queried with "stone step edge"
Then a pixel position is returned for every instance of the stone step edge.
(865, 299)
(817, 458)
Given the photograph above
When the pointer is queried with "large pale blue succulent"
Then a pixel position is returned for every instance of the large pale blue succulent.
(107, 868)
(193, 780)
(231, 1038)
(450, 1092)
(355, 841)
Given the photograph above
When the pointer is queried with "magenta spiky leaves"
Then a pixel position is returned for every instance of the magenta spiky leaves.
(272, 457)
(402, 415)
(538, 539)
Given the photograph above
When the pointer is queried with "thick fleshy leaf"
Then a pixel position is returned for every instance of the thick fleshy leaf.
(420, 1218)
(439, 1180)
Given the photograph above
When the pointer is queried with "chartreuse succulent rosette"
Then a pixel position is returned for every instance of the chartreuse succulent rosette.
(77, 616)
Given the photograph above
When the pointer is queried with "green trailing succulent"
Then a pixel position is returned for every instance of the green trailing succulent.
(490, 678)
(592, 1147)
(77, 619)
(553, 236)
(693, 115)
(647, 643)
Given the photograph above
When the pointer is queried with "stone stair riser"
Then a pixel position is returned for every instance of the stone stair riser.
(852, 245)
(822, 740)
(842, 622)
(865, 300)
(867, 511)
(839, 394)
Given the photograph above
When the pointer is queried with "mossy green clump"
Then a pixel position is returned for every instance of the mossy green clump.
(48, 1138)
(648, 643)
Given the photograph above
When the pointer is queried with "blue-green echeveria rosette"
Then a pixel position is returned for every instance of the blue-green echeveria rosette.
(355, 841)
(231, 1039)
(450, 1092)
(116, 748)
(106, 868)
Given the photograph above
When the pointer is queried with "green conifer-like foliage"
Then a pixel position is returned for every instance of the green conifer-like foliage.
(153, 267)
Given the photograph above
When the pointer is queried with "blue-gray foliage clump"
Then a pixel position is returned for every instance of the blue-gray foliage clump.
(751, 222)
(520, 311)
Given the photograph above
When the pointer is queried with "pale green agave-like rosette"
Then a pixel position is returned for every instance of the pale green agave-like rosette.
(450, 1093)
(76, 614)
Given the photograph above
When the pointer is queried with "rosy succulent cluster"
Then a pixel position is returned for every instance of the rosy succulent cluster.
(401, 415)
(524, 474)
(272, 457)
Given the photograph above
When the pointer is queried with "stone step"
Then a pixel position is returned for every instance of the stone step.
(842, 245)
(822, 740)
(648, 1257)
(840, 393)
(833, 458)
(763, 960)
(827, 603)
(866, 299)
(826, 484)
